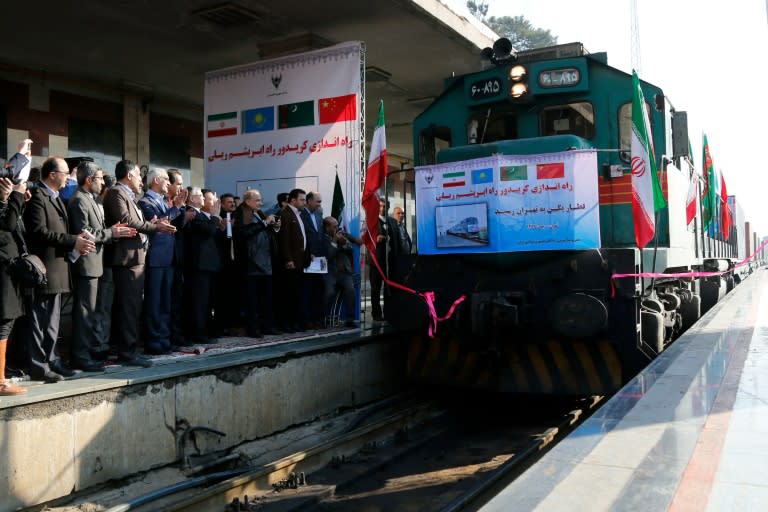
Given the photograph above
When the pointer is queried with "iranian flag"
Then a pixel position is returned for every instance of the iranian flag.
(374, 179)
(690, 201)
(647, 197)
(220, 125)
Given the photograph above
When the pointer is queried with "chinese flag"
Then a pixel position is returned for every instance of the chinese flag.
(550, 171)
(337, 109)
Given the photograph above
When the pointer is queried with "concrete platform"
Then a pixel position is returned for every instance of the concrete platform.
(688, 433)
(60, 438)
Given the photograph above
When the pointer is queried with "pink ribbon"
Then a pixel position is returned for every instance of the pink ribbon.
(687, 274)
(427, 297)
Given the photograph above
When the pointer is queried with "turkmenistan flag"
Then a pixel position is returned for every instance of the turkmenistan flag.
(647, 197)
(708, 202)
(220, 125)
(514, 172)
(293, 115)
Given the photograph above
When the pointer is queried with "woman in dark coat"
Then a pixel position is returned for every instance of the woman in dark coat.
(11, 207)
(253, 233)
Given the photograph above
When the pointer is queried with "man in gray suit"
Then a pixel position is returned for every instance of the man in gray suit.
(126, 257)
(85, 215)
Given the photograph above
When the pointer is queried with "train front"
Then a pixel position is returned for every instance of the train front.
(523, 207)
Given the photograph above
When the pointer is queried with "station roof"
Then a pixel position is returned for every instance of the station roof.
(161, 50)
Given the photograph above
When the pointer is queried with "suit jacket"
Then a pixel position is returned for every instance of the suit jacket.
(125, 252)
(202, 253)
(84, 212)
(314, 235)
(291, 241)
(161, 245)
(48, 236)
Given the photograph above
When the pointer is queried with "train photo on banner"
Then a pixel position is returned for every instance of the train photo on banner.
(523, 184)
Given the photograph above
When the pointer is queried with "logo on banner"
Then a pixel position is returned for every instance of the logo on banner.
(429, 177)
(276, 79)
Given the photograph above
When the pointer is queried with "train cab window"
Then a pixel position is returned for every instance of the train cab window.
(491, 126)
(572, 119)
(625, 128)
(433, 139)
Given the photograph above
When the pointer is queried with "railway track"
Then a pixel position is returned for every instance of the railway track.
(444, 455)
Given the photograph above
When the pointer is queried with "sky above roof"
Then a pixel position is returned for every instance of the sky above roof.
(708, 56)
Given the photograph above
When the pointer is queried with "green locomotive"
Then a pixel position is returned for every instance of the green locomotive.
(546, 317)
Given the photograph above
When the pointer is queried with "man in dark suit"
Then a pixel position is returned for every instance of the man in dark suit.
(312, 217)
(126, 257)
(159, 264)
(202, 262)
(295, 257)
(48, 236)
(387, 251)
(177, 197)
(86, 216)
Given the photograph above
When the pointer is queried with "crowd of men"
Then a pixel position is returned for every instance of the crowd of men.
(152, 265)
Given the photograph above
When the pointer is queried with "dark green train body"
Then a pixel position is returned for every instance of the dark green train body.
(552, 321)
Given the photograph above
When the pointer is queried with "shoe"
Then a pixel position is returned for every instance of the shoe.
(156, 349)
(288, 329)
(135, 361)
(63, 370)
(51, 377)
(256, 334)
(269, 332)
(87, 366)
(99, 355)
(10, 389)
(378, 318)
(351, 323)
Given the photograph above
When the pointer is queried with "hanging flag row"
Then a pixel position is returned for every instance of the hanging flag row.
(331, 110)
(715, 212)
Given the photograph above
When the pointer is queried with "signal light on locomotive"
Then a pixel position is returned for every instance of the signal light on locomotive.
(517, 75)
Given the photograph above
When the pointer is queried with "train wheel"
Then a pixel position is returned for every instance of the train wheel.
(652, 324)
(690, 310)
(711, 292)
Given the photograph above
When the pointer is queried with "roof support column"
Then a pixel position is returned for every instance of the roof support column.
(135, 129)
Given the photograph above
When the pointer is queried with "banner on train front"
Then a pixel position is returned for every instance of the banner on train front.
(291, 122)
(509, 204)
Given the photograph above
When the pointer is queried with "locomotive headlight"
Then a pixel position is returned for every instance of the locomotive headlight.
(517, 73)
(518, 90)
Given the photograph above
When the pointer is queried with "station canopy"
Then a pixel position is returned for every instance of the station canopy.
(161, 50)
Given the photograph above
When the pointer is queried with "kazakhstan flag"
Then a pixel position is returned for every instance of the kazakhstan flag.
(482, 176)
(258, 119)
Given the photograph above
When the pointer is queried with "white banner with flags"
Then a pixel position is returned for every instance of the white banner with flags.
(509, 203)
(284, 123)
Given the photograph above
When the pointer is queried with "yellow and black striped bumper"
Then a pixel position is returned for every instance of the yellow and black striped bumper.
(552, 367)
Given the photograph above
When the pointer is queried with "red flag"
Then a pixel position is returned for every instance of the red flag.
(337, 109)
(374, 179)
(726, 212)
(690, 202)
(550, 171)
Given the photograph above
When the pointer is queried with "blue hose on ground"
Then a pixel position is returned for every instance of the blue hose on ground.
(171, 489)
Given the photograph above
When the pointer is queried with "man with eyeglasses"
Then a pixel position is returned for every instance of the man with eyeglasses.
(86, 216)
(49, 237)
(126, 257)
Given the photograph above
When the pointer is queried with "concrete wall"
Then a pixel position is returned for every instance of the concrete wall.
(50, 449)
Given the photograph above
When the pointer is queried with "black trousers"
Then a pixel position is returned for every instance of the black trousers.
(126, 309)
